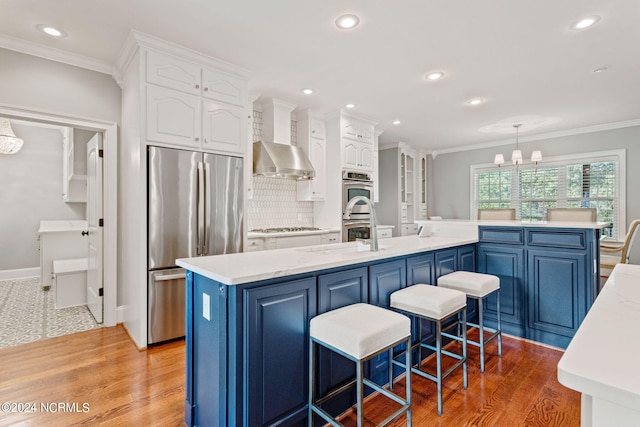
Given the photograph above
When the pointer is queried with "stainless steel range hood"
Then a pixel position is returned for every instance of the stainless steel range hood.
(281, 160)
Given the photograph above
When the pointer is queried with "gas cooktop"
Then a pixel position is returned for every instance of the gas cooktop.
(283, 229)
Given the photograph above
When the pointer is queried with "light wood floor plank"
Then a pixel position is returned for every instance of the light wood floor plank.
(124, 386)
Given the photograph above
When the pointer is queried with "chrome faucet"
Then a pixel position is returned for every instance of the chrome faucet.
(347, 215)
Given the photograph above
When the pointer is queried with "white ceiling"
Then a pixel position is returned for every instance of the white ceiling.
(520, 55)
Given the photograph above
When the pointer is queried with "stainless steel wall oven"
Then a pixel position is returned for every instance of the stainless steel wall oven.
(358, 225)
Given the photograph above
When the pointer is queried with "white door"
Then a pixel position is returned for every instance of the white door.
(94, 218)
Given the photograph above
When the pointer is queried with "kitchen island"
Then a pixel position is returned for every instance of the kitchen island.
(602, 360)
(248, 314)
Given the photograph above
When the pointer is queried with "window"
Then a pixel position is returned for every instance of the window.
(592, 180)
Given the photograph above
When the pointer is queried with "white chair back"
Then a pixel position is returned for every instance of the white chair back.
(497, 214)
(633, 251)
(572, 214)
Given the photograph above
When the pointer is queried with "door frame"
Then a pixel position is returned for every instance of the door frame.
(109, 194)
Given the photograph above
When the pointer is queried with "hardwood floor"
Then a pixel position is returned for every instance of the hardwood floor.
(124, 386)
(102, 368)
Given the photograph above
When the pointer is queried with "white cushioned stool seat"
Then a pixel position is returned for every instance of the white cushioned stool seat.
(428, 301)
(473, 284)
(360, 329)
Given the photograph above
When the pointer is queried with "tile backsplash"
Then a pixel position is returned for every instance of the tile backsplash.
(274, 201)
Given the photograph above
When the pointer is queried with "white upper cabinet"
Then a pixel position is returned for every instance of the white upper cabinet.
(175, 73)
(173, 117)
(223, 87)
(312, 139)
(194, 107)
(357, 142)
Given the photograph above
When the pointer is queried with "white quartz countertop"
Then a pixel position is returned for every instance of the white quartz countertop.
(254, 234)
(506, 223)
(245, 267)
(602, 358)
(56, 226)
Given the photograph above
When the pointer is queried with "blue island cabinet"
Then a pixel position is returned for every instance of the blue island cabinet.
(548, 279)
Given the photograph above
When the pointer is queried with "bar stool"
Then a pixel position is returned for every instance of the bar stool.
(477, 286)
(359, 332)
(435, 304)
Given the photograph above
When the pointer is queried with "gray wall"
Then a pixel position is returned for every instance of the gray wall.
(49, 86)
(449, 194)
(31, 191)
(41, 85)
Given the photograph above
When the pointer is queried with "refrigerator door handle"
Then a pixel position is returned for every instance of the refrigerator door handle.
(200, 210)
(165, 277)
(208, 212)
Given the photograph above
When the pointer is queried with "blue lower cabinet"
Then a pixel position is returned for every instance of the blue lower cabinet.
(206, 343)
(506, 262)
(276, 324)
(467, 262)
(557, 297)
(384, 279)
(446, 261)
(337, 290)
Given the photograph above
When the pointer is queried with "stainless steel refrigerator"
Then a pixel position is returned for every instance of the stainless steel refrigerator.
(194, 209)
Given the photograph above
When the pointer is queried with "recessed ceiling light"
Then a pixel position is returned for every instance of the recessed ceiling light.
(350, 105)
(600, 70)
(307, 91)
(436, 75)
(51, 31)
(396, 122)
(585, 22)
(476, 101)
(346, 22)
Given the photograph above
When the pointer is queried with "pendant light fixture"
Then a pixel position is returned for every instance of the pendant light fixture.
(9, 143)
(516, 155)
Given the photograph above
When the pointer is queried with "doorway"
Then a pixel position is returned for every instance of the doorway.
(109, 229)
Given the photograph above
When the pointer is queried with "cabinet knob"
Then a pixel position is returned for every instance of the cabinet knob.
(85, 233)
(197, 139)
(206, 89)
(197, 86)
(205, 140)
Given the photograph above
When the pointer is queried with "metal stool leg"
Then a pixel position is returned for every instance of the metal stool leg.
(464, 346)
(499, 326)
(481, 331)
(439, 364)
(359, 393)
(312, 396)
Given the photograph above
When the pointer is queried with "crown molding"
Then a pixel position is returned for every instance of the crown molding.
(54, 54)
(539, 137)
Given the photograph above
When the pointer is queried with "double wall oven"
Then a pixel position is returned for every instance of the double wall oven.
(358, 225)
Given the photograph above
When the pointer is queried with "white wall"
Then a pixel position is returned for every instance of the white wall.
(31, 191)
(449, 193)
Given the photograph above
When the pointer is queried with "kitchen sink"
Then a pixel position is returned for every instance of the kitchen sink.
(343, 248)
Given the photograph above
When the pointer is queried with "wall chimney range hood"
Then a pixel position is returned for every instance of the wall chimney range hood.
(281, 160)
(274, 156)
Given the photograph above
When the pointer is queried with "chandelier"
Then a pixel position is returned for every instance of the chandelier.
(9, 143)
(516, 155)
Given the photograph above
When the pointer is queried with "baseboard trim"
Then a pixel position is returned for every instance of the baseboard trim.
(19, 273)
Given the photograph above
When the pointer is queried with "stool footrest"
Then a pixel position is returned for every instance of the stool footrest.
(382, 390)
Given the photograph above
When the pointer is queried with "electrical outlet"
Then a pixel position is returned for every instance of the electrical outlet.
(206, 306)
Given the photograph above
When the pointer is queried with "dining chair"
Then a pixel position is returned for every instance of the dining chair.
(626, 253)
(497, 214)
(572, 214)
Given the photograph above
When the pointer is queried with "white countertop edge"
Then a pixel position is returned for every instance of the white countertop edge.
(57, 226)
(298, 261)
(601, 359)
(532, 224)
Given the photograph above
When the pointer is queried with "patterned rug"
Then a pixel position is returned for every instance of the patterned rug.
(28, 313)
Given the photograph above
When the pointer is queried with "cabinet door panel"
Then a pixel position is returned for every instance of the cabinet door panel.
(467, 262)
(350, 155)
(277, 326)
(508, 264)
(174, 73)
(223, 87)
(366, 156)
(421, 269)
(173, 117)
(446, 262)
(337, 290)
(557, 301)
(223, 127)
